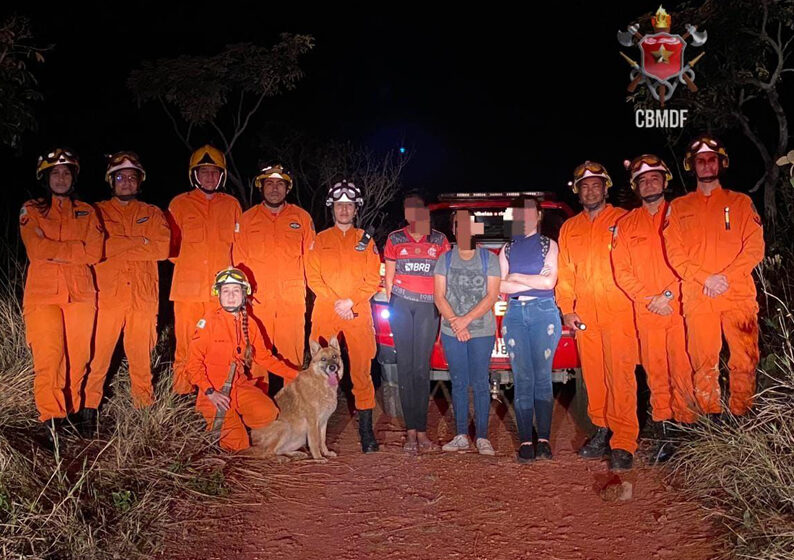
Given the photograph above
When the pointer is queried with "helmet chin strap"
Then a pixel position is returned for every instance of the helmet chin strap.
(234, 308)
(652, 198)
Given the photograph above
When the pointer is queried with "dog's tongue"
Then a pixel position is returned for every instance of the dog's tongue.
(333, 380)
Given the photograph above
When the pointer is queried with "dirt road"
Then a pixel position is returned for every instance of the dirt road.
(390, 505)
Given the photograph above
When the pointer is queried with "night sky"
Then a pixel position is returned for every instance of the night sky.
(486, 99)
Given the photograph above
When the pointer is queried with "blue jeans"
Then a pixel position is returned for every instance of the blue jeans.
(532, 330)
(468, 367)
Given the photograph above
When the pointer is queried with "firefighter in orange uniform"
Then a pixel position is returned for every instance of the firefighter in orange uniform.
(343, 271)
(223, 339)
(137, 237)
(204, 223)
(714, 239)
(62, 237)
(274, 239)
(642, 271)
(592, 303)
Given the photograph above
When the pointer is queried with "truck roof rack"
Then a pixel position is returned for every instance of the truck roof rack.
(543, 195)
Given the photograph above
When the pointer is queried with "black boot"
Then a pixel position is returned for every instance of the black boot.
(664, 446)
(52, 429)
(620, 460)
(368, 442)
(597, 446)
(88, 422)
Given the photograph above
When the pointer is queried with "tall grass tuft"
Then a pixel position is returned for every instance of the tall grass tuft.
(742, 469)
(109, 497)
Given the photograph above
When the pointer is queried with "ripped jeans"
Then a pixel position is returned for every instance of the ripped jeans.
(532, 330)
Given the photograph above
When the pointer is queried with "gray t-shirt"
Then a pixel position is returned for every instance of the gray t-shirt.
(466, 287)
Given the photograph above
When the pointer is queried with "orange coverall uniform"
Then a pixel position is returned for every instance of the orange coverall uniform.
(340, 267)
(217, 342)
(204, 231)
(137, 237)
(59, 305)
(271, 249)
(642, 271)
(718, 234)
(608, 348)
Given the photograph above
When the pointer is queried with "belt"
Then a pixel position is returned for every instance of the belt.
(523, 298)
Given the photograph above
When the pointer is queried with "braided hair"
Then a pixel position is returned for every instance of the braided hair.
(249, 350)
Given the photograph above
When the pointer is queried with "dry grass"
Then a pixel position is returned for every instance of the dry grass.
(112, 497)
(743, 468)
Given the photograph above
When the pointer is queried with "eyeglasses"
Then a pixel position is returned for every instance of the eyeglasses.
(132, 177)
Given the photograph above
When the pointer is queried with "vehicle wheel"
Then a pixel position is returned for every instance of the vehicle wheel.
(389, 391)
(578, 404)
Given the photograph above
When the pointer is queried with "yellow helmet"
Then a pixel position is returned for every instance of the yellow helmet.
(276, 171)
(231, 275)
(207, 155)
(643, 164)
(705, 143)
(589, 169)
(58, 156)
(123, 160)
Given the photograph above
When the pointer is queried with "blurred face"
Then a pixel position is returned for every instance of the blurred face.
(344, 212)
(274, 191)
(465, 228)
(126, 183)
(707, 167)
(231, 296)
(527, 219)
(650, 186)
(60, 179)
(592, 192)
(417, 215)
(209, 177)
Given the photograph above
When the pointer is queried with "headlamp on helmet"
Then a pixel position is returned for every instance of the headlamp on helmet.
(123, 160)
(233, 276)
(589, 169)
(645, 163)
(58, 156)
(701, 144)
(344, 191)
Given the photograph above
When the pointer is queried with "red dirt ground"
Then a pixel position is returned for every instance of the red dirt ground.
(391, 505)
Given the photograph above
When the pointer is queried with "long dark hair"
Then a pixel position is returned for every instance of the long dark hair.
(44, 203)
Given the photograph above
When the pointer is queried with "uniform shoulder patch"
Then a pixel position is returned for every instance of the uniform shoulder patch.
(201, 324)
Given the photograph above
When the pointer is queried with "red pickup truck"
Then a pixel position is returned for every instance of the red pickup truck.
(489, 209)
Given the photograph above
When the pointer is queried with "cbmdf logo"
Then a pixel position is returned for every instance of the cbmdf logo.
(662, 67)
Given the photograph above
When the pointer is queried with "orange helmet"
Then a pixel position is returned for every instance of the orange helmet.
(207, 155)
(123, 160)
(276, 171)
(58, 156)
(643, 164)
(705, 143)
(589, 169)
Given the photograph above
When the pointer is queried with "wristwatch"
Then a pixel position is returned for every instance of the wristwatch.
(668, 294)
(209, 391)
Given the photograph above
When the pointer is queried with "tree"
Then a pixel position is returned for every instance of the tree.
(747, 57)
(18, 90)
(222, 92)
(318, 165)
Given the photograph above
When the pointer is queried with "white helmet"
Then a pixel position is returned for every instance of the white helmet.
(344, 191)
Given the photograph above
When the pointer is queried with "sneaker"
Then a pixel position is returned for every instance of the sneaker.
(543, 450)
(484, 447)
(526, 453)
(459, 443)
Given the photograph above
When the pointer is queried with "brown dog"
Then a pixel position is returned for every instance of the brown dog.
(305, 405)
